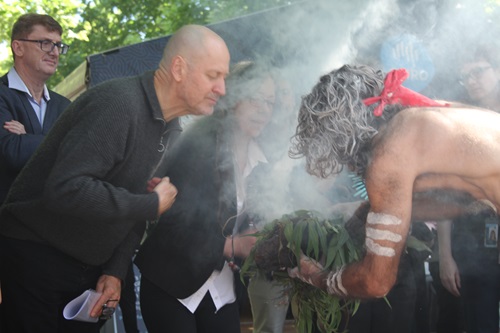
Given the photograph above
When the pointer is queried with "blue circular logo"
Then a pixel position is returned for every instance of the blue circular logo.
(406, 51)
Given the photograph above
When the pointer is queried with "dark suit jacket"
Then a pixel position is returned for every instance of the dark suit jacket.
(15, 150)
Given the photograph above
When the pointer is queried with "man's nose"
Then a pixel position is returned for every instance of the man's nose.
(220, 87)
(55, 51)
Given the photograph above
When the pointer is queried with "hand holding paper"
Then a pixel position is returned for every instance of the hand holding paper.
(79, 308)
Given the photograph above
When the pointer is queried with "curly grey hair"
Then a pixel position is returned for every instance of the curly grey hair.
(335, 127)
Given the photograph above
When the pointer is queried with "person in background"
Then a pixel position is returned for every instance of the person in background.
(28, 109)
(480, 76)
(187, 281)
(269, 299)
(78, 210)
(468, 256)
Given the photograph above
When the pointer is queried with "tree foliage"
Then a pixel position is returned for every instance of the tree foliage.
(94, 26)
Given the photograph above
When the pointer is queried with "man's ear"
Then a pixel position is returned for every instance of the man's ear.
(178, 68)
(17, 48)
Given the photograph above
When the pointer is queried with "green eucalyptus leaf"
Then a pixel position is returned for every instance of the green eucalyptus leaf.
(325, 238)
(313, 241)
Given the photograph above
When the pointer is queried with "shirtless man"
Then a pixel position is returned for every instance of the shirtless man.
(402, 144)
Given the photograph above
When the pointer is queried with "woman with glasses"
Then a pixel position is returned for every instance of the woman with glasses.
(187, 261)
(481, 76)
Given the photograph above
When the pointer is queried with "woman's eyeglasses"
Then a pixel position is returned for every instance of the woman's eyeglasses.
(474, 74)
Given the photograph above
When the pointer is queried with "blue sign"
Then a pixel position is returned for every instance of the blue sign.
(406, 51)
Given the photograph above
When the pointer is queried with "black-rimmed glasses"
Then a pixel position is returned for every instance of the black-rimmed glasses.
(474, 73)
(47, 45)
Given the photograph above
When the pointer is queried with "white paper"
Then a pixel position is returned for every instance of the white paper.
(80, 307)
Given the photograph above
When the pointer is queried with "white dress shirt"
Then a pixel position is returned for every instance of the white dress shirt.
(15, 82)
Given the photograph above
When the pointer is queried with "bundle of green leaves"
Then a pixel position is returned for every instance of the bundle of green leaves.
(279, 246)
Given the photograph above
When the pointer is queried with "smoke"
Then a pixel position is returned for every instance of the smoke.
(310, 38)
(302, 42)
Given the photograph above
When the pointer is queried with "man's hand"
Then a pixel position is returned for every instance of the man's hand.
(311, 272)
(166, 193)
(450, 276)
(14, 127)
(448, 270)
(111, 288)
(152, 183)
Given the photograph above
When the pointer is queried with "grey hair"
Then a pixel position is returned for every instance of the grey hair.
(335, 128)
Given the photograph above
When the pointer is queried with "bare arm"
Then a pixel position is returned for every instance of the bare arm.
(387, 227)
(438, 205)
(448, 270)
(240, 245)
(389, 183)
(386, 231)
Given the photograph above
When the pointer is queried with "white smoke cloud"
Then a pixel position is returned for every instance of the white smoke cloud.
(310, 38)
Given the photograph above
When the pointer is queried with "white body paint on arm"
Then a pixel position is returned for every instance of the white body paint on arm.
(373, 235)
(334, 284)
(379, 250)
(384, 219)
(377, 234)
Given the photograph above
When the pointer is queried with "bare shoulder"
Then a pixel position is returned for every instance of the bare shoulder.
(428, 138)
(407, 129)
(416, 118)
(394, 159)
(458, 115)
(442, 124)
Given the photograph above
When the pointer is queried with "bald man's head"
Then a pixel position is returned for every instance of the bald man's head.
(191, 42)
(194, 65)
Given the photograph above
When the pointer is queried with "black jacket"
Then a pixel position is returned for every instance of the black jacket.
(187, 244)
(15, 150)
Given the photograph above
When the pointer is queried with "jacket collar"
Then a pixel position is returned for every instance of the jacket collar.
(15, 82)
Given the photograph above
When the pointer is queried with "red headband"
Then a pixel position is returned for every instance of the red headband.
(395, 93)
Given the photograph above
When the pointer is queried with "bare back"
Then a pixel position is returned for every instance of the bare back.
(454, 148)
(418, 150)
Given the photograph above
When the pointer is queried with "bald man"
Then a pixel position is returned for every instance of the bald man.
(77, 212)
(404, 145)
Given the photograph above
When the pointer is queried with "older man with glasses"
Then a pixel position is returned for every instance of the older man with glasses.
(28, 109)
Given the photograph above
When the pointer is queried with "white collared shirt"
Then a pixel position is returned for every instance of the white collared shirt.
(220, 284)
(15, 82)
